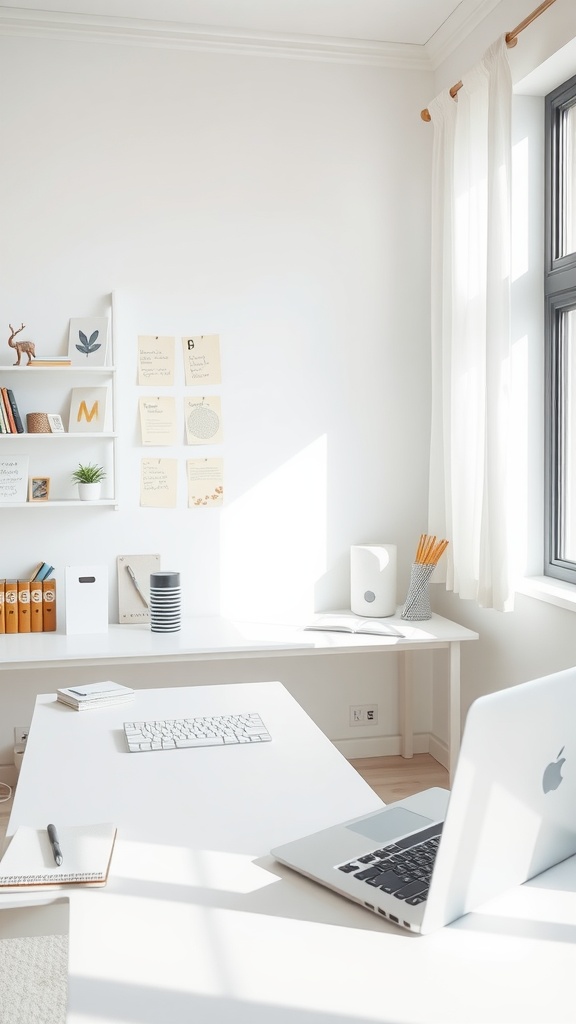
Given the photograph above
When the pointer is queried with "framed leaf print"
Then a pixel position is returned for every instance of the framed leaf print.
(88, 341)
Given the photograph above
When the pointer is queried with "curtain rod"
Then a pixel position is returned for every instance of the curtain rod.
(511, 40)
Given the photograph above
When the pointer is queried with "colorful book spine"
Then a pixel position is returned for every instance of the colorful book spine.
(15, 412)
(36, 609)
(24, 606)
(3, 420)
(8, 411)
(49, 605)
(11, 605)
(2, 616)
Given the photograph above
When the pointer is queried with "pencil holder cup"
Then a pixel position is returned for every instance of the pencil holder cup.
(165, 602)
(417, 604)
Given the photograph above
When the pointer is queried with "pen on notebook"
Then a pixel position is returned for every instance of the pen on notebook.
(55, 844)
(130, 572)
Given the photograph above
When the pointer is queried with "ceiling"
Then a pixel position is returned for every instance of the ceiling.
(412, 22)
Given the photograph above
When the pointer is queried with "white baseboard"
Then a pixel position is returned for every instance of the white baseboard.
(379, 746)
(388, 746)
(439, 751)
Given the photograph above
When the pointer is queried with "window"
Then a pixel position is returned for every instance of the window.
(560, 333)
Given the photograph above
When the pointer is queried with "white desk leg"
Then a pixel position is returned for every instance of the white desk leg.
(453, 709)
(405, 705)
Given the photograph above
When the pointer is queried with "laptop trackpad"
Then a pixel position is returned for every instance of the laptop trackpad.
(390, 824)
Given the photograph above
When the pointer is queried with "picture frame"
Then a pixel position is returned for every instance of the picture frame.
(88, 341)
(38, 488)
(87, 410)
(56, 425)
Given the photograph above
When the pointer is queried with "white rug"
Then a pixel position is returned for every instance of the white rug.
(33, 980)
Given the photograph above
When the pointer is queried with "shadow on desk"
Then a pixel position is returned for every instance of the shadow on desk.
(116, 1002)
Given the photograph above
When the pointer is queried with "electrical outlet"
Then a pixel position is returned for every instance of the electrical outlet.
(363, 714)
(21, 734)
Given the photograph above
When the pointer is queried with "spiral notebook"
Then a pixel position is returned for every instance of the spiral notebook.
(28, 863)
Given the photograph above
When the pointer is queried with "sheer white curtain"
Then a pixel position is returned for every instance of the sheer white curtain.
(468, 496)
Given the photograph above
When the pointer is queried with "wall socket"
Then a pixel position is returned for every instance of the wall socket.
(21, 735)
(363, 714)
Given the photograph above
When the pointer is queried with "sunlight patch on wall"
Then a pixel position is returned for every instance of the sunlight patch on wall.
(273, 546)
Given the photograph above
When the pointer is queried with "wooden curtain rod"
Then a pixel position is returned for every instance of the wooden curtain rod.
(511, 40)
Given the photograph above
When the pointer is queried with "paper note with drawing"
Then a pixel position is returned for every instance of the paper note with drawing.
(155, 359)
(158, 483)
(203, 420)
(202, 359)
(87, 410)
(205, 482)
(158, 424)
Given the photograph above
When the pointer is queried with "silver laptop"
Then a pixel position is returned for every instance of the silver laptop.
(427, 860)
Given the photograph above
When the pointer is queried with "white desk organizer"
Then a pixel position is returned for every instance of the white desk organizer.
(86, 599)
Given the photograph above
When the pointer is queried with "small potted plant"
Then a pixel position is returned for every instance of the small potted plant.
(89, 479)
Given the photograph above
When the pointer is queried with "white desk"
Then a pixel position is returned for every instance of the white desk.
(215, 638)
(199, 923)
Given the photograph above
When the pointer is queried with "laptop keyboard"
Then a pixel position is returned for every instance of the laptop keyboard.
(403, 869)
(212, 731)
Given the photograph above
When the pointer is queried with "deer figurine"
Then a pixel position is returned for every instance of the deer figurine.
(21, 346)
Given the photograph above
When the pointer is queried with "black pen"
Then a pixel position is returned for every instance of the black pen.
(55, 844)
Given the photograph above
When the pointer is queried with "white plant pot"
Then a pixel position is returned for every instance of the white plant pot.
(89, 492)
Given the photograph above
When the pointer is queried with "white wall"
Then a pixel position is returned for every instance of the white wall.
(283, 204)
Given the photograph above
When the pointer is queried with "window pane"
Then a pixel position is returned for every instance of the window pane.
(567, 437)
(568, 174)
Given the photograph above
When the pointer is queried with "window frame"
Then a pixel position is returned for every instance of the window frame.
(560, 297)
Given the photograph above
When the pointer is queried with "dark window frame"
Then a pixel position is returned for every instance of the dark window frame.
(560, 298)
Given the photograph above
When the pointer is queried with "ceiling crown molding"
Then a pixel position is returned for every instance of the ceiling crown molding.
(179, 36)
(456, 28)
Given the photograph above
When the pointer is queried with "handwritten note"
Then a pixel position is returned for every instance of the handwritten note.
(158, 483)
(155, 360)
(205, 482)
(158, 420)
(202, 359)
(13, 478)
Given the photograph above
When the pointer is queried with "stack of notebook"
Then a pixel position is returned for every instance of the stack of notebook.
(90, 696)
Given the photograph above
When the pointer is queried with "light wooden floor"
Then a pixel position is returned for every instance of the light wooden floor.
(393, 778)
(390, 777)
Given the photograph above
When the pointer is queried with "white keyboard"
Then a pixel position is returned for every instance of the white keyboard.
(210, 731)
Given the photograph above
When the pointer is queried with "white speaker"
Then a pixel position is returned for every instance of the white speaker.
(373, 579)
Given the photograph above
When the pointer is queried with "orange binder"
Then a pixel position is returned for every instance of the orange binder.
(11, 605)
(2, 616)
(36, 612)
(49, 605)
(23, 606)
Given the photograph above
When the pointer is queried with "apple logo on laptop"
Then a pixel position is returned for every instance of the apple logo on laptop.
(553, 773)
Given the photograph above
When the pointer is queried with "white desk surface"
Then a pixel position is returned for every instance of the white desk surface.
(199, 923)
(213, 637)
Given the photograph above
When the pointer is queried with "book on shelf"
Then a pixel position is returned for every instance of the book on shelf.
(347, 622)
(42, 572)
(11, 606)
(36, 602)
(8, 415)
(91, 696)
(2, 609)
(52, 361)
(28, 863)
(15, 411)
(24, 606)
(48, 605)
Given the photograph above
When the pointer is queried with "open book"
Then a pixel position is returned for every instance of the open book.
(346, 622)
(29, 861)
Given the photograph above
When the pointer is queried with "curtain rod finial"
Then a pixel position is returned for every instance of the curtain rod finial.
(425, 114)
